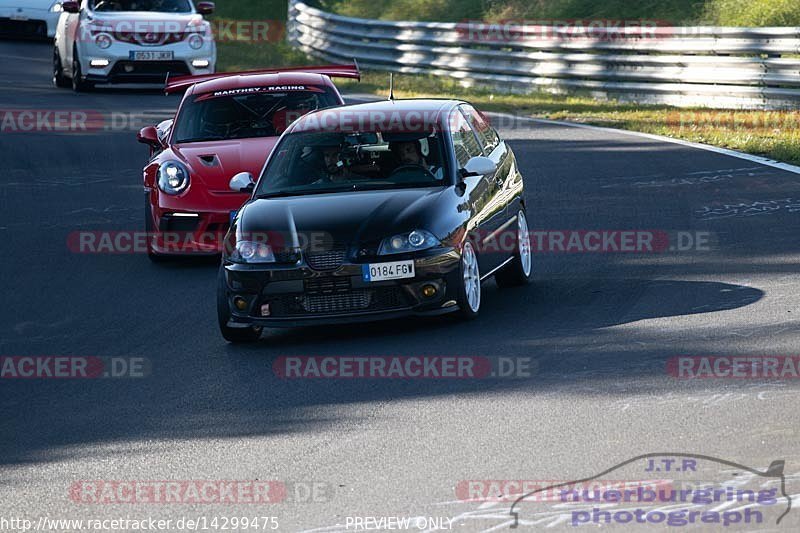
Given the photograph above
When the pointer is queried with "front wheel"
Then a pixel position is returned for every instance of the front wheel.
(519, 271)
(59, 79)
(469, 292)
(78, 84)
(233, 335)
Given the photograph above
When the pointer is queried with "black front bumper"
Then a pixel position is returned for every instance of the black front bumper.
(300, 295)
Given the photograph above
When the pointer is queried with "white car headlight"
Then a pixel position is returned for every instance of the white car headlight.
(173, 177)
(408, 242)
(252, 252)
(56, 7)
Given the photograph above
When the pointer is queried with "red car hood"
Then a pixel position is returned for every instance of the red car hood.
(214, 163)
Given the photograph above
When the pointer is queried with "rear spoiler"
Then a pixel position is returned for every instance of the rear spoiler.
(182, 83)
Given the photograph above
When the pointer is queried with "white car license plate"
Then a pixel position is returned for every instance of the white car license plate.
(152, 56)
(388, 271)
(19, 17)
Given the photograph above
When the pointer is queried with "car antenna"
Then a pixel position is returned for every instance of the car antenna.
(391, 86)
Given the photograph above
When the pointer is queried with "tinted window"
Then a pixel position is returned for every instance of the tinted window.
(486, 133)
(306, 163)
(239, 114)
(464, 142)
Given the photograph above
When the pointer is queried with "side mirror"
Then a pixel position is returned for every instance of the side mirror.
(71, 6)
(163, 129)
(242, 182)
(149, 136)
(478, 166)
(206, 8)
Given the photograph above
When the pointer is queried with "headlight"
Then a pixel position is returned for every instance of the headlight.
(103, 41)
(408, 242)
(252, 252)
(173, 178)
(195, 41)
(56, 7)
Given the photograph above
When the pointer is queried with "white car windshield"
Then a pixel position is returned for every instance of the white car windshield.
(162, 6)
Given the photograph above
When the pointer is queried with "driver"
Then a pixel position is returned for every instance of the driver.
(410, 153)
(335, 170)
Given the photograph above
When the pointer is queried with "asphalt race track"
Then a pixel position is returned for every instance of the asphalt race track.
(599, 328)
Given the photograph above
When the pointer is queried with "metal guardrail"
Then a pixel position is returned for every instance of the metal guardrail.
(747, 68)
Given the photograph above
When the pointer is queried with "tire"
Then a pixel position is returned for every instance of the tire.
(79, 85)
(469, 290)
(232, 335)
(519, 271)
(59, 80)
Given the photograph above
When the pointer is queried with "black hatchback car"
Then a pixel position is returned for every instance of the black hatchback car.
(374, 211)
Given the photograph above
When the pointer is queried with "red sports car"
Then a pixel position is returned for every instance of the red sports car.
(226, 124)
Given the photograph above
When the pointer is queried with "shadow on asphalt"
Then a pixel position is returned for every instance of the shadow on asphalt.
(580, 321)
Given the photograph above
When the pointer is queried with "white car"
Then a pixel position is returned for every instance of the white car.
(29, 18)
(131, 41)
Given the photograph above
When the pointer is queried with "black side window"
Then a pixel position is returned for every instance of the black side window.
(465, 143)
(483, 129)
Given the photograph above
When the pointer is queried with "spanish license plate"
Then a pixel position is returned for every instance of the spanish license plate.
(151, 56)
(388, 271)
(19, 17)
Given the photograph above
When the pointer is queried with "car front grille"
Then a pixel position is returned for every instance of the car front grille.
(341, 301)
(336, 303)
(328, 260)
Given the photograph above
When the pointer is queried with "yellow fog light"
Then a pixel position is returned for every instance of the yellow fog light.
(240, 303)
(429, 291)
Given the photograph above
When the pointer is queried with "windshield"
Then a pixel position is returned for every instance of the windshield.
(163, 6)
(309, 163)
(257, 112)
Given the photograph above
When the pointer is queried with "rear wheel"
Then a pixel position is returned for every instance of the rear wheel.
(59, 80)
(78, 84)
(469, 293)
(519, 271)
(234, 335)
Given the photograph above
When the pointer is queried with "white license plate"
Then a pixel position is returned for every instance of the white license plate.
(387, 271)
(152, 56)
(19, 18)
